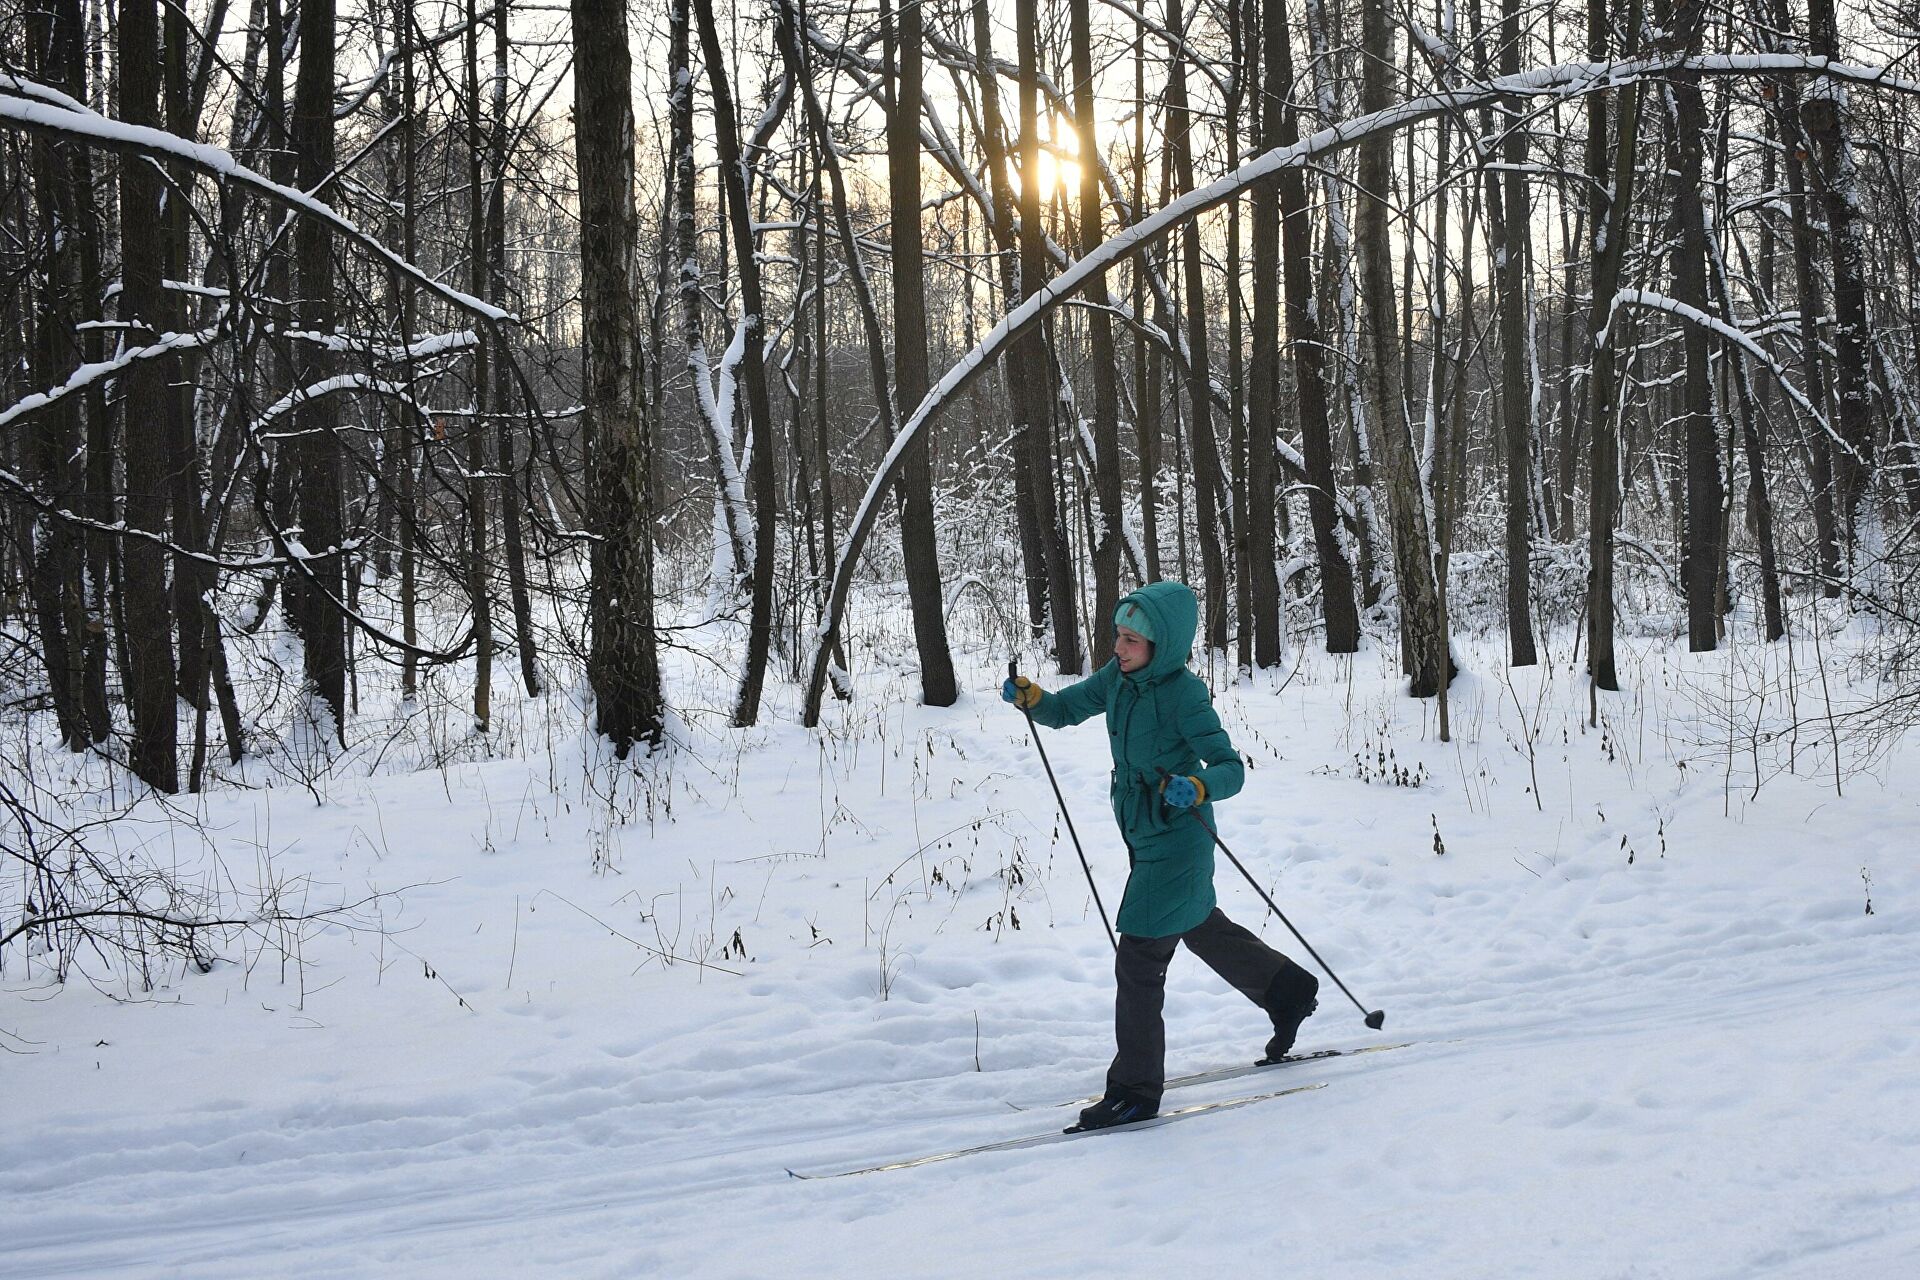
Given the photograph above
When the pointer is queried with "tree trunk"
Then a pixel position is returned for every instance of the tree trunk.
(512, 535)
(410, 432)
(54, 566)
(1263, 388)
(919, 549)
(1234, 479)
(1608, 216)
(1025, 385)
(1700, 567)
(149, 669)
(1513, 265)
(1107, 535)
(1809, 297)
(479, 461)
(1306, 340)
(1823, 110)
(1036, 433)
(1205, 451)
(729, 489)
(623, 668)
(1422, 626)
(1146, 366)
(317, 591)
(822, 418)
(753, 373)
(191, 579)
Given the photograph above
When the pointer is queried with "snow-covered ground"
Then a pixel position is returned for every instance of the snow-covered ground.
(1653, 1028)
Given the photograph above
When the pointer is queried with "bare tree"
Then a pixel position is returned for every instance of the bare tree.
(1307, 344)
(1034, 434)
(1263, 369)
(1424, 653)
(1101, 353)
(1205, 451)
(919, 549)
(623, 665)
(1514, 269)
(149, 665)
(1611, 195)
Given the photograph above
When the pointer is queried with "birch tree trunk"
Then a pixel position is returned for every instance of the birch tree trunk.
(729, 490)
(753, 372)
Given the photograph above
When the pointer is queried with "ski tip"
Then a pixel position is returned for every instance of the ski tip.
(1377, 1019)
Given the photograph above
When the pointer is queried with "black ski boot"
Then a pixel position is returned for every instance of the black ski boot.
(1120, 1106)
(1290, 1001)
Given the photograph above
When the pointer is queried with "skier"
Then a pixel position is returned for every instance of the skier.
(1169, 755)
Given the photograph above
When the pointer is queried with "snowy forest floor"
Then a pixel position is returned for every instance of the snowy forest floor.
(1658, 981)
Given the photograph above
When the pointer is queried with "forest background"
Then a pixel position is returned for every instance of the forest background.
(369, 369)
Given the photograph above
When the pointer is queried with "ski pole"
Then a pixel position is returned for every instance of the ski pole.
(1375, 1019)
(1013, 673)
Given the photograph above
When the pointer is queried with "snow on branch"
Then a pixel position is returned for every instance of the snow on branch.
(328, 386)
(1565, 81)
(1735, 336)
(392, 353)
(88, 374)
(35, 107)
(26, 493)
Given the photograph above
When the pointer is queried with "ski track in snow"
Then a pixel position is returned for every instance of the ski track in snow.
(1694, 1064)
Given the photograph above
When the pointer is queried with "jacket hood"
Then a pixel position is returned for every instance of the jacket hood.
(1175, 616)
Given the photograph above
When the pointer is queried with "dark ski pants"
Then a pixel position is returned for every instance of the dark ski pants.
(1140, 968)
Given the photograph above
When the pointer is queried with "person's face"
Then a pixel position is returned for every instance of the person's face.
(1132, 649)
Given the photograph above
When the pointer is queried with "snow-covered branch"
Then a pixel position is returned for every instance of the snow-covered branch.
(1566, 81)
(36, 108)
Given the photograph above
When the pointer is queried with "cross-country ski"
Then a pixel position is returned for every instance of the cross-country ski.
(1213, 1074)
(1064, 1135)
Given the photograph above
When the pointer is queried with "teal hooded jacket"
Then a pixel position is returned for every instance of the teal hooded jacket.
(1158, 718)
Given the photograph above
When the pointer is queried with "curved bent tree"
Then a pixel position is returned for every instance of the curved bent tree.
(1566, 81)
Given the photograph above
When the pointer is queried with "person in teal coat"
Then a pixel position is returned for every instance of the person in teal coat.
(1171, 759)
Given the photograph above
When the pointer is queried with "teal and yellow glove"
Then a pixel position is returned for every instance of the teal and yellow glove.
(1021, 692)
(1184, 792)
